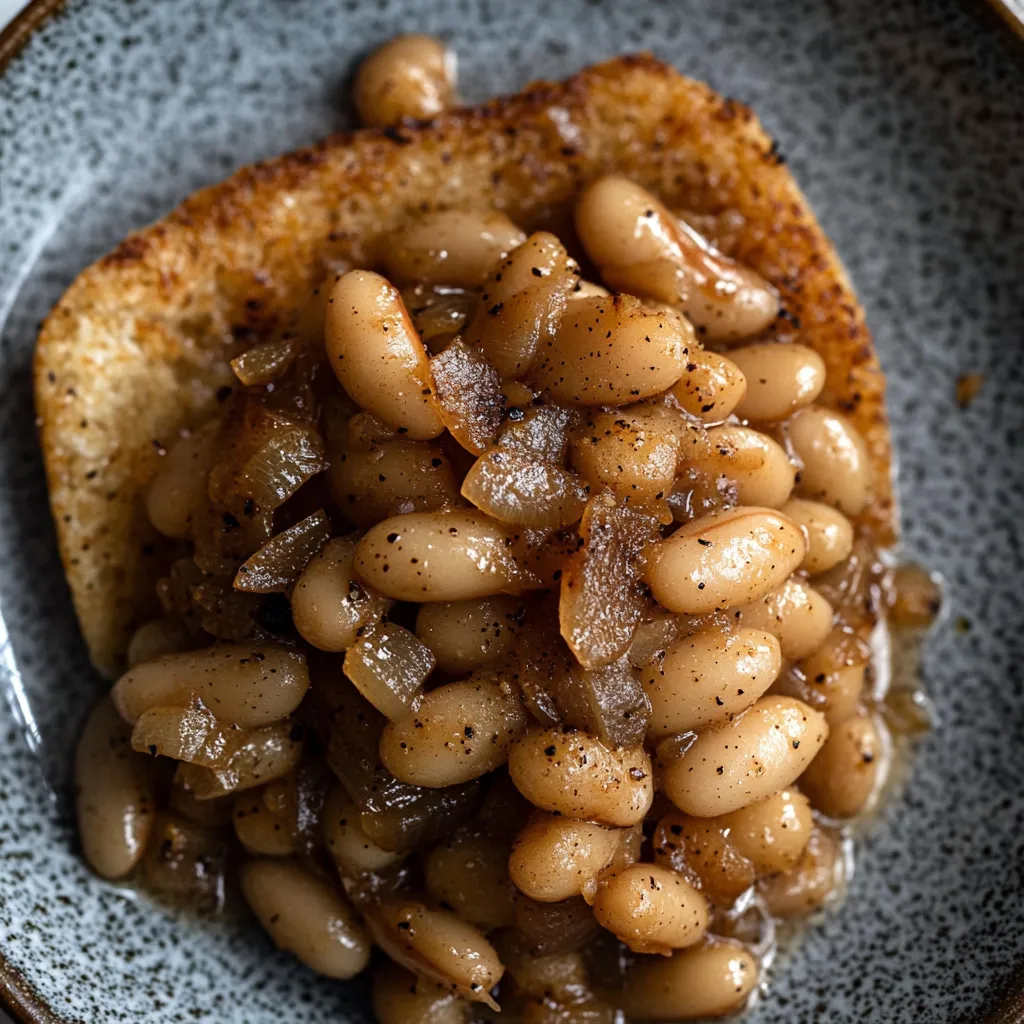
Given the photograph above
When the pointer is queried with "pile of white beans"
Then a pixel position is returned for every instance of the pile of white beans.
(575, 879)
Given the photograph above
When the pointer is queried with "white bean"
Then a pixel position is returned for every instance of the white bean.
(641, 247)
(829, 533)
(843, 778)
(612, 351)
(307, 917)
(409, 76)
(459, 732)
(708, 678)
(439, 946)
(836, 462)
(179, 487)
(724, 559)
(576, 775)
(113, 795)
(761, 751)
(378, 356)
(555, 858)
(780, 379)
(437, 556)
(754, 462)
(706, 981)
(247, 686)
(330, 607)
(466, 635)
(796, 614)
(452, 247)
(651, 909)
(399, 997)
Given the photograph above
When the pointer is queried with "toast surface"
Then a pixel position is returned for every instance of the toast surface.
(138, 347)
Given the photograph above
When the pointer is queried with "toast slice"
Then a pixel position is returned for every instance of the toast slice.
(138, 347)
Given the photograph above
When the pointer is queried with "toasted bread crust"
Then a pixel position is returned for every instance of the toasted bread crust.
(137, 347)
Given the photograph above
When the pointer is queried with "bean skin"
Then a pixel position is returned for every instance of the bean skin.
(758, 753)
(709, 980)
(459, 732)
(724, 559)
(651, 909)
(567, 771)
(708, 678)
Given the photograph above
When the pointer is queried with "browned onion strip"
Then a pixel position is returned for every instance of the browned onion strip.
(601, 601)
(264, 363)
(519, 489)
(542, 432)
(389, 667)
(261, 755)
(187, 863)
(438, 313)
(556, 927)
(416, 817)
(190, 734)
(279, 563)
(607, 701)
(265, 457)
(468, 391)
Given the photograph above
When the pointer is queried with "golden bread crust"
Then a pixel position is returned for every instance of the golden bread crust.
(138, 346)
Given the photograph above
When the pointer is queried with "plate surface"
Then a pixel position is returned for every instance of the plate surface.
(903, 121)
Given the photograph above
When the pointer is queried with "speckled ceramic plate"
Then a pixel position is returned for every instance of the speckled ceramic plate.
(903, 120)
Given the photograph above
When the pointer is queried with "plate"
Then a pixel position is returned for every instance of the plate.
(903, 121)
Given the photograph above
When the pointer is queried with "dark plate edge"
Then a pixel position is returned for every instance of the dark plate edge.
(21, 1000)
(20, 29)
(16, 994)
(1012, 15)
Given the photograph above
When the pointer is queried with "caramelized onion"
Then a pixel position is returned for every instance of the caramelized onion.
(556, 927)
(608, 702)
(541, 432)
(395, 815)
(186, 863)
(264, 363)
(279, 563)
(601, 600)
(417, 818)
(517, 488)
(389, 667)
(190, 734)
(259, 756)
(468, 391)
(265, 457)
(438, 313)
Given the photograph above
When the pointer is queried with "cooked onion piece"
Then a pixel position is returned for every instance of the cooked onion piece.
(520, 490)
(264, 363)
(280, 562)
(601, 602)
(256, 757)
(389, 666)
(541, 432)
(262, 457)
(469, 395)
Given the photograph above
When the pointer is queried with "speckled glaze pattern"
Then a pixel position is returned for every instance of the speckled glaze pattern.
(904, 122)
